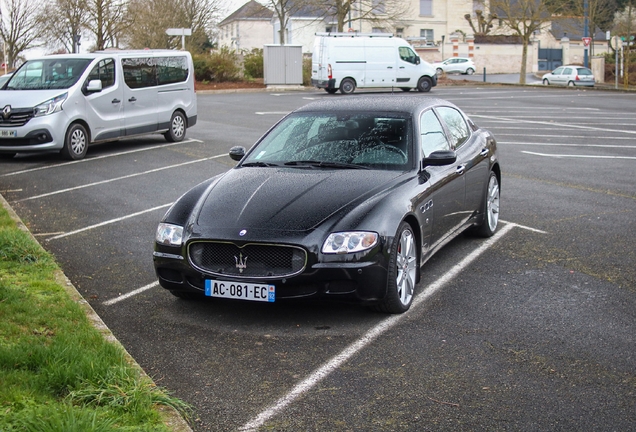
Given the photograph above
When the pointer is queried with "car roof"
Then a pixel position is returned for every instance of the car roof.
(390, 103)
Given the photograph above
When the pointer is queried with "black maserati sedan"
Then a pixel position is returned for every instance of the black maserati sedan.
(342, 199)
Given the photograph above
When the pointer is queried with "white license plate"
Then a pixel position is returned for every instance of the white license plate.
(8, 133)
(240, 291)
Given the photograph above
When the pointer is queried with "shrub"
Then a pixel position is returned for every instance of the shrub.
(306, 71)
(253, 63)
(220, 66)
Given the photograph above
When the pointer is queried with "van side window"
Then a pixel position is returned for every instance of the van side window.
(104, 71)
(172, 70)
(139, 72)
(432, 132)
(408, 55)
(456, 126)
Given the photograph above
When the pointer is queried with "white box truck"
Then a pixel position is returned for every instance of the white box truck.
(347, 61)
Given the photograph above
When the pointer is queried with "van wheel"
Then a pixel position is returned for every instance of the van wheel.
(177, 129)
(75, 142)
(424, 84)
(347, 86)
(331, 90)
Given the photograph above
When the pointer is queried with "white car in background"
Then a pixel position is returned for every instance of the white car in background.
(460, 65)
(5, 78)
(571, 76)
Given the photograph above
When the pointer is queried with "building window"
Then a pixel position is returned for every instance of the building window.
(329, 29)
(377, 30)
(426, 7)
(399, 32)
(428, 35)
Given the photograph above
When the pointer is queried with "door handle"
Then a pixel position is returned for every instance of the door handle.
(401, 67)
(460, 169)
(132, 99)
(484, 152)
(389, 67)
(116, 100)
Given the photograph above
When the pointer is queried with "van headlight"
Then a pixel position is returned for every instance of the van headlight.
(349, 242)
(169, 234)
(50, 106)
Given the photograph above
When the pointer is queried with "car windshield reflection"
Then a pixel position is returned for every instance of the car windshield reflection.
(339, 141)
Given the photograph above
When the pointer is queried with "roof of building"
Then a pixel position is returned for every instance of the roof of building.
(252, 10)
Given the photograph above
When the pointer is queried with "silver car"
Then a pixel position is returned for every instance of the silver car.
(570, 75)
(461, 65)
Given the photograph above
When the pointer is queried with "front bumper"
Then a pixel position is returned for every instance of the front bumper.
(360, 282)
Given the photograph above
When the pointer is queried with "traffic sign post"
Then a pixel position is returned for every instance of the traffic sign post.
(586, 41)
(183, 32)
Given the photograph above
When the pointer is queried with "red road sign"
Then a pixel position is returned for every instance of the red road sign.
(586, 41)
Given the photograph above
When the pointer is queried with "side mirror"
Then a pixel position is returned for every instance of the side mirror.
(440, 158)
(417, 60)
(94, 86)
(237, 153)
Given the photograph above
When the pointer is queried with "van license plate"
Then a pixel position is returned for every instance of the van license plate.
(240, 291)
(8, 133)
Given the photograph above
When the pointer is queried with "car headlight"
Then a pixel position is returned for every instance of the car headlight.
(50, 106)
(169, 234)
(349, 242)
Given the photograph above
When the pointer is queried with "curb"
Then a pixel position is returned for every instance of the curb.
(171, 417)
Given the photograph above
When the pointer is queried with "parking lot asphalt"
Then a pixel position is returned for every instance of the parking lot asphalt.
(534, 330)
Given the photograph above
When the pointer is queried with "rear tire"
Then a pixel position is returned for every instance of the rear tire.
(402, 273)
(178, 123)
(347, 86)
(490, 208)
(570, 83)
(75, 142)
(470, 71)
(424, 84)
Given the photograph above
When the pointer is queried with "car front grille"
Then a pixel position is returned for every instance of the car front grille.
(249, 261)
(16, 117)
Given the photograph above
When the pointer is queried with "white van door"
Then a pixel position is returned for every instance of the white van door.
(381, 63)
(104, 109)
(409, 69)
(140, 95)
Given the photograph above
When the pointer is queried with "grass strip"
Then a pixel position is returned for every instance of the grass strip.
(57, 371)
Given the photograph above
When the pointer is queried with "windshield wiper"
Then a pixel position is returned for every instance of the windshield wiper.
(259, 164)
(322, 164)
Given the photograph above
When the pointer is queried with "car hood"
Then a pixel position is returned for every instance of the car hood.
(289, 199)
(28, 98)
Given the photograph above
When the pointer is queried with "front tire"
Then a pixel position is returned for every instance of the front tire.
(546, 82)
(470, 71)
(347, 86)
(178, 123)
(75, 142)
(424, 84)
(402, 273)
(490, 208)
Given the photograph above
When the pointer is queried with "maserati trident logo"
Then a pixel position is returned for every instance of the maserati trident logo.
(6, 111)
(241, 263)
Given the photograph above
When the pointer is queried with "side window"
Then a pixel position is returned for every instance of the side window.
(104, 71)
(433, 137)
(139, 72)
(172, 70)
(557, 71)
(456, 125)
(567, 71)
(408, 55)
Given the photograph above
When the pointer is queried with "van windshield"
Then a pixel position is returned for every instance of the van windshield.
(44, 74)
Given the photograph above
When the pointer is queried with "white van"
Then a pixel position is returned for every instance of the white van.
(66, 102)
(348, 60)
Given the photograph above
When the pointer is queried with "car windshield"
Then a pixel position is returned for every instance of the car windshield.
(43, 74)
(336, 140)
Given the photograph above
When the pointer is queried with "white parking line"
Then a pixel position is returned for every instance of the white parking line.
(549, 123)
(108, 222)
(130, 294)
(549, 144)
(578, 156)
(375, 332)
(119, 178)
(99, 157)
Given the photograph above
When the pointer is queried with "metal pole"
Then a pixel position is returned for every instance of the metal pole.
(484, 74)
(585, 34)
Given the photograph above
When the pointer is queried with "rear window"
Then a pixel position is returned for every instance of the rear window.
(584, 71)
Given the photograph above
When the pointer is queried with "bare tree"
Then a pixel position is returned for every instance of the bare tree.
(523, 18)
(625, 24)
(62, 22)
(383, 13)
(19, 26)
(483, 24)
(108, 20)
(149, 29)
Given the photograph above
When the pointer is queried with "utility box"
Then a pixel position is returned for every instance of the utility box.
(283, 64)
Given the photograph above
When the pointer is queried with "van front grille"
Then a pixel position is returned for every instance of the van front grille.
(15, 117)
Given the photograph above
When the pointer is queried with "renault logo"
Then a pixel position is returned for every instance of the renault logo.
(6, 111)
